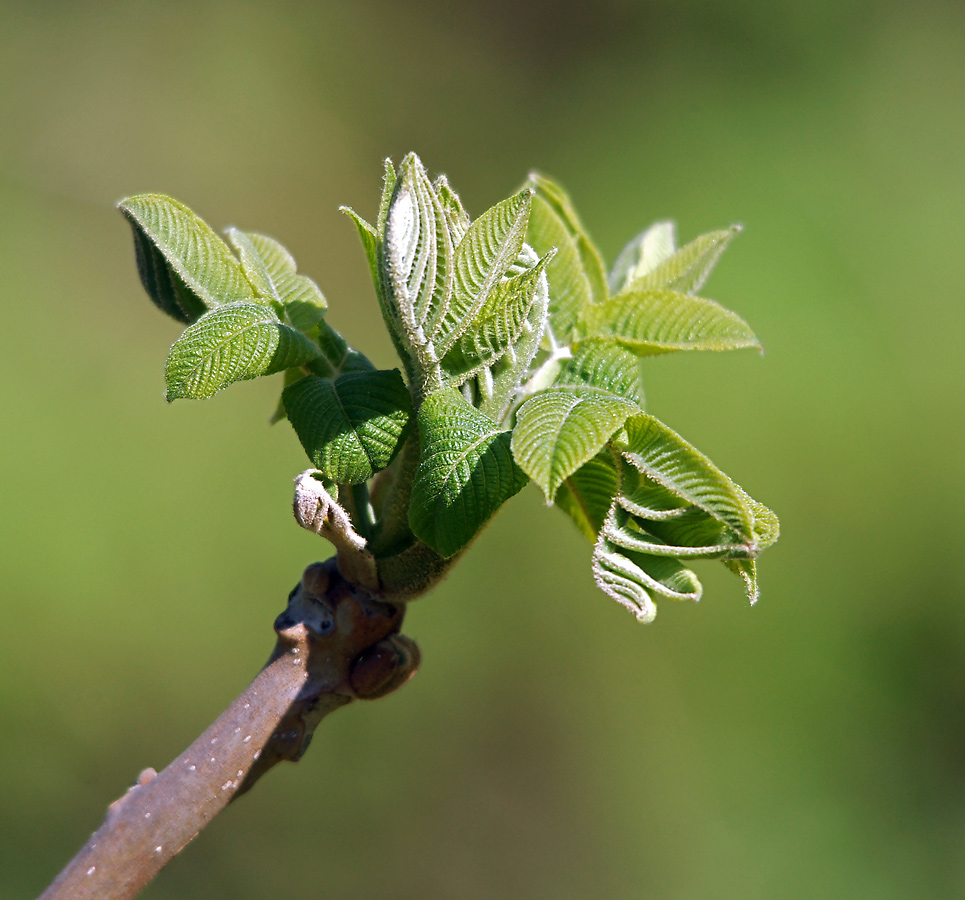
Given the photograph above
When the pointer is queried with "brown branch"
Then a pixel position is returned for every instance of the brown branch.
(335, 642)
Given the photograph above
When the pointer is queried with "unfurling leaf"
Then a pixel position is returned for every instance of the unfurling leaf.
(687, 269)
(499, 323)
(665, 457)
(490, 246)
(184, 266)
(233, 342)
(416, 264)
(466, 472)
(576, 274)
(662, 321)
(559, 430)
(351, 427)
(271, 271)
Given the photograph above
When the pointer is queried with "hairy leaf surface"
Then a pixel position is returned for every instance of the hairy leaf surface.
(271, 271)
(466, 472)
(665, 457)
(662, 321)
(351, 427)
(499, 323)
(234, 342)
(559, 430)
(603, 364)
(490, 246)
(196, 258)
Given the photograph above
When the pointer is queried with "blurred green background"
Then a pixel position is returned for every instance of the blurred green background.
(813, 746)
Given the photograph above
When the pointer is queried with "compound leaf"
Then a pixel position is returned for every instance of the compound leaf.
(586, 496)
(662, 321)
(466, 472)
(184, 266)
(233, 342)
(351, 427)
(560, 429)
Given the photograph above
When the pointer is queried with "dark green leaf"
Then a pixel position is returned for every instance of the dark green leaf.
(353, 426)
(466, 472)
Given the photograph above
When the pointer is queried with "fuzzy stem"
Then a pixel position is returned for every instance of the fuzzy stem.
(334, 643)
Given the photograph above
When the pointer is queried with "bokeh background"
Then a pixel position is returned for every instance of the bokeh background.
(813, 746)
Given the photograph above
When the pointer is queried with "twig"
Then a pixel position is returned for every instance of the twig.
(335, 642)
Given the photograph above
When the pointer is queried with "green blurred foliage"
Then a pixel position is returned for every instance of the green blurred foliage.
(550, 747)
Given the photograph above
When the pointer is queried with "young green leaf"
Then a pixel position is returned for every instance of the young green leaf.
(271, 271)
(197, 258)
(665, 457)
(559, 430)
(499, 324)
(586, 496)
(490, 246)
(163, 285)
(351, 427)
(577, 277)
(370, 244)
(687, 269)
(336, 356)
(416, 264)
(466, 472)
(233, 342)
(661, 321)
(458, 217)
(604, 364)
(641, 255)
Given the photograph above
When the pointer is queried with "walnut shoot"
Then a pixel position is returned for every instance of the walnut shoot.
(519, 361)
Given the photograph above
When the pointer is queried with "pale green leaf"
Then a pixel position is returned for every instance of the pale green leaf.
(665, 457)
(606, 365)
(197, 258)
(687, 269)
(499, 324)
(289, 377)
(576, 275)
(490, 246)
(559, 430)
(662, 321)
(641, 255)
(466, 472)
(233, 342)
(271, 271)
(351, 427)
